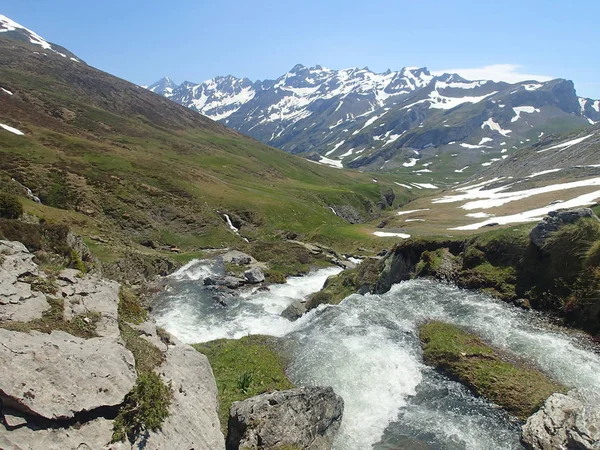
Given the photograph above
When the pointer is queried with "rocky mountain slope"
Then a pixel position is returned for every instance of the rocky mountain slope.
(133, 170)
(408, 121)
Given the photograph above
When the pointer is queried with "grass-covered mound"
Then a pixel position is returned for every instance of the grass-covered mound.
(338, 287)
(461, 355)
(244, 368)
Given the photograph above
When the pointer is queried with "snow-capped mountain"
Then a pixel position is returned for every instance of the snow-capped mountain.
(20, 33)
(164, 87)
(392, 120)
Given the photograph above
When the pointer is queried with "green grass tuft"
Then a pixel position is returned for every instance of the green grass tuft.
(244, 368)
(130, 308)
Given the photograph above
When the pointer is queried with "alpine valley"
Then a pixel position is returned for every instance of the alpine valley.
(406, 121)
(406, 261)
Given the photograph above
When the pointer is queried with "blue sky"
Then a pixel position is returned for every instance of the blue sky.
(194, 40)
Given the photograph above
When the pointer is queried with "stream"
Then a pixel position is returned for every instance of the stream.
(368, 350)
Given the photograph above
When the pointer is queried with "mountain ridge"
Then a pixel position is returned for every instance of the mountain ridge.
(366, 120)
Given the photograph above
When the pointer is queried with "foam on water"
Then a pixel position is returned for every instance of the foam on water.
(196, 270)
(188, 310)
(367, 349)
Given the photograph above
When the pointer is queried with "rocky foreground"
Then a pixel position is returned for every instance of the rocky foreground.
(72, 365)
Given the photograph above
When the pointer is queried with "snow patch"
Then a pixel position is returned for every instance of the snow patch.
(495, 127)
(11, 129)
(523, 109)
(567, 144)
(388, 234)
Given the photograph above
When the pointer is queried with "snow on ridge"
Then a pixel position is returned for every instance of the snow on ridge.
(335, 147)
(472, 146)
(7, 24)
(402, 213)
(543, 172)
(438, 101)
(388, 234)
(566, 145)
(410, 163)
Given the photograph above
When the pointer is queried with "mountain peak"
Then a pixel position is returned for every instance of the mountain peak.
(13, 30)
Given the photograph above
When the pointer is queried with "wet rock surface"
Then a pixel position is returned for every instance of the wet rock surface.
(294, 311)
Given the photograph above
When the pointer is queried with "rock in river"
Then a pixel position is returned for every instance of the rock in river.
(307, 417)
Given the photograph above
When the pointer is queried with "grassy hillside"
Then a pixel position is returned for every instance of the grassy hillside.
(125, 166)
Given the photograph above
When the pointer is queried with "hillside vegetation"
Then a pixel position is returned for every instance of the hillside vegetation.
(127, 167)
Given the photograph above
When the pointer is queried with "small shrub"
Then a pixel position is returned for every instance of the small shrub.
(275, 277)
(146, 408)
(76, 262)
(10, 206)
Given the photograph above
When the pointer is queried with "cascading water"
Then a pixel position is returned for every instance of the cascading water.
(367, 349)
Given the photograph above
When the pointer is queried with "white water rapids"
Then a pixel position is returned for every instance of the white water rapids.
(367, 349)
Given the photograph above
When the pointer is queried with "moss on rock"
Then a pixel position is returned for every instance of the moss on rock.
(338, 287)
(461, 355)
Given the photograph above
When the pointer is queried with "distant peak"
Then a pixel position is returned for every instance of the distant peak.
(298, 68)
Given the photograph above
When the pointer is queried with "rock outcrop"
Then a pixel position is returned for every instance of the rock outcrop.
(61, 391)
(570, 422)
(556, 219)
(237, 257)
(307, 418)
(193, 421)
(18, 301)
(57, 375)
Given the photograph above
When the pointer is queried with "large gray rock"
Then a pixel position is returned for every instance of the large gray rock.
(254, 275)
(237, 257)
(18, 301)
(84, 294)
(193, 421)
(307, 417)
(92, 435)
(58, 375)
(554, 220)
(570, 421)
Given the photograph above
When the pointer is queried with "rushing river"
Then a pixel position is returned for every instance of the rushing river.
(367, 349)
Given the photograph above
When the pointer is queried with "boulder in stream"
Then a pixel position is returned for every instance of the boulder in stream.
(294, 311)
(254, 275)
(307, 417)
